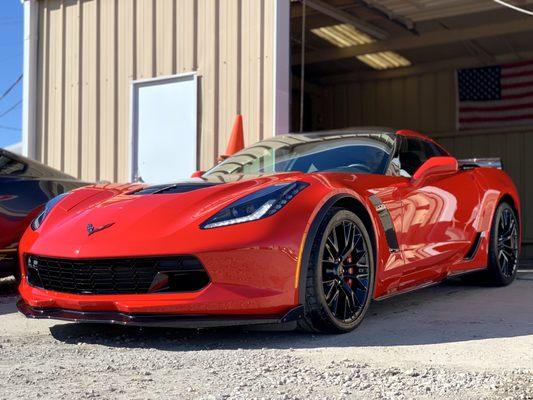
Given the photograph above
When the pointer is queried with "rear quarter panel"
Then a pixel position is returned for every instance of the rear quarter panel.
(496, 185)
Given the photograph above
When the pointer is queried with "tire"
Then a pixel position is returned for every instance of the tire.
(339, 282)
(503, 246)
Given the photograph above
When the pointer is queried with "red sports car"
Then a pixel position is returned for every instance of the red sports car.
(303, 227)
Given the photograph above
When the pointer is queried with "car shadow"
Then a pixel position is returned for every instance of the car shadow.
(8, 295)
(451, 312)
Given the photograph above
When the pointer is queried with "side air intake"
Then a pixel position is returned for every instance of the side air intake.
(474, 248)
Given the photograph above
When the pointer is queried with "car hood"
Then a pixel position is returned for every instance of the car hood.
(147, 220)
(138, 212)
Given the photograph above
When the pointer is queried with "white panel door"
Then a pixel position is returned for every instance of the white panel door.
(164, 129)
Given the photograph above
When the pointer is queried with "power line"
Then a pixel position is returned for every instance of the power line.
(11, 108)
(9, 128)
(522, 10)
(10, 88)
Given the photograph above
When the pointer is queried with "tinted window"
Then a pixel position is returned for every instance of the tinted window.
(434, 150)
(364, 153)
(415, 152)
(412, 155)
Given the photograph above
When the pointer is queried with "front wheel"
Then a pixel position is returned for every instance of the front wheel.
(340, 275)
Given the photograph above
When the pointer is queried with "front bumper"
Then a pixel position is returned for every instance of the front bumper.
(156, 320)
(241, 285)
(253, 267)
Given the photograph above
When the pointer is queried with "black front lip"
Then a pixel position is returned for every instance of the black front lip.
(154, 320)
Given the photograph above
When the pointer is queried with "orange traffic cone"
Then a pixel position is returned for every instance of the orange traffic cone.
(236, 140)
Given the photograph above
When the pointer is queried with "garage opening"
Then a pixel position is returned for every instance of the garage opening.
(458, 71)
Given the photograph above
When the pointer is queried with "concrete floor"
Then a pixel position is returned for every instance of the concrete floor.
(449, 328)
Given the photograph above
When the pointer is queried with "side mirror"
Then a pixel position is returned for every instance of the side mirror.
(435, 166)
(197, 174)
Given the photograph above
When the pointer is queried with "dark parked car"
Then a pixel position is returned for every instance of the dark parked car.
(25, 187)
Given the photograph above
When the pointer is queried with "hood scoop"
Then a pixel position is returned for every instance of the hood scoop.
(174, 188)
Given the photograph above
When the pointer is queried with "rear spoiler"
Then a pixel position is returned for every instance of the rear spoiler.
(470, 163)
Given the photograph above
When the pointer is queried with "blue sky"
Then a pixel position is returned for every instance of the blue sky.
(11, 48)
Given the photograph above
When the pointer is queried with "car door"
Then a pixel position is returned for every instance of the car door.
(437, 216)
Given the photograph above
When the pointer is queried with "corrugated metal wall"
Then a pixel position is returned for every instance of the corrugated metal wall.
(427, 103)
(424, 102)
(91, 50)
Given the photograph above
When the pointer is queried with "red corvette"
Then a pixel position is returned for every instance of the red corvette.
(303, 227)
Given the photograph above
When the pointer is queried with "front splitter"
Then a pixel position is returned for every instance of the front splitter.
(156, 320)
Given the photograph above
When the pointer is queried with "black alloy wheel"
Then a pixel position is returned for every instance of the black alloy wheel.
(507, 247)
(504, 246)
(345, 271)
(340, 274)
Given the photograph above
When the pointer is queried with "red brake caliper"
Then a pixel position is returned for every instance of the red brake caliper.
(349, 281)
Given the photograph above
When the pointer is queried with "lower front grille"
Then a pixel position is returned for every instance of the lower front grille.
(117, 276)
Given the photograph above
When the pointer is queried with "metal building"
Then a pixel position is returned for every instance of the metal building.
(86, 56)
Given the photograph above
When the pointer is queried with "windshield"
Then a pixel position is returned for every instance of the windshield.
(360, 153)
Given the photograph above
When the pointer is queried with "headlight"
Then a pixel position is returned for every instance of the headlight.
(37, 222)
(260, 204)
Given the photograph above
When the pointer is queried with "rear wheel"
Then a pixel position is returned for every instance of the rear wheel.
(504, 246)
(340, 275)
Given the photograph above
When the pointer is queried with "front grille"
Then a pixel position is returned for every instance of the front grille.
(117, 276)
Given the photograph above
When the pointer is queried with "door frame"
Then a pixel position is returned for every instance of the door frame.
(134, 113)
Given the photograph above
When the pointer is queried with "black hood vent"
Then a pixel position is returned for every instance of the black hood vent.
(175, 188)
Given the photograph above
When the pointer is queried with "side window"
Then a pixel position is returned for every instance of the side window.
(432, 150)
(413, 154)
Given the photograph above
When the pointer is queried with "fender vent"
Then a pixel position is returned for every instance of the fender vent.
(474, 248)
(174, 188)
(386, 221)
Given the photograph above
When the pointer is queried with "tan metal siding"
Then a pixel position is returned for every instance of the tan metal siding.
(42, 85)
(91, 50)
(72, 80)
(90, 159)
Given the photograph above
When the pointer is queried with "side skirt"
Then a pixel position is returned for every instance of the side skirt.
(429, 284)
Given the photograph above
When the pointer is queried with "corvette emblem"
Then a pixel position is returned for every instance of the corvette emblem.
(91, 229)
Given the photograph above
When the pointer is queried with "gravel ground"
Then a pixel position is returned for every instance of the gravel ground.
(448, 342)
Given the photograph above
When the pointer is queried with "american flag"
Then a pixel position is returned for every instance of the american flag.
(495, 96)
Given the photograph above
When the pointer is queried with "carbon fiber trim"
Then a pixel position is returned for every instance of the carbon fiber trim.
(157, 320)
(386, 222)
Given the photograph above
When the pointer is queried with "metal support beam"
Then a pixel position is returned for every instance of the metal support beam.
(391, 16)
(347, 18)
(29, 81)
(425, 40)
(281, 73)
(418, 69)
